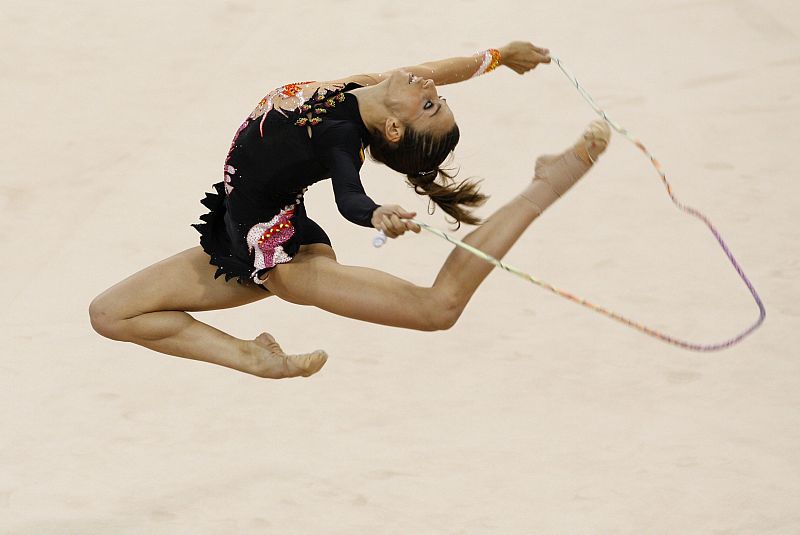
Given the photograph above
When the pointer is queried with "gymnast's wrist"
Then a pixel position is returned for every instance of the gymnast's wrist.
(501, 55)
(489, 59)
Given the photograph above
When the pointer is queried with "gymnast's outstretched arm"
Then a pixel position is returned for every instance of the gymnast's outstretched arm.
(520, 56)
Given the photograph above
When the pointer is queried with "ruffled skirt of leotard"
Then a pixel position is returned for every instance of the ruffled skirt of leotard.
(249, 251)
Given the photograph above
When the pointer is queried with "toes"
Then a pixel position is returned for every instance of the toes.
(309, 363)
(600, 132)
(273, 363)
(276, 364)
(596, 138)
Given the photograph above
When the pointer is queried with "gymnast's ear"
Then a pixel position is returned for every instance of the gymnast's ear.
(393, 129)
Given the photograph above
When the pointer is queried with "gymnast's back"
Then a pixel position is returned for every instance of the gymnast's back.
(297, 135)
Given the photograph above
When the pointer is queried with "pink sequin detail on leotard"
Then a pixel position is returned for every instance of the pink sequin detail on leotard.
(266, 239)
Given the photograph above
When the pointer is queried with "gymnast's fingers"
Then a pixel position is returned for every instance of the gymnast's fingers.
(544, 53)
(402, 212)
(388, 228)
(384, 227)
(397, 225)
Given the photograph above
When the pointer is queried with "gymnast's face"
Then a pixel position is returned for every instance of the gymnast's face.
(415, 102)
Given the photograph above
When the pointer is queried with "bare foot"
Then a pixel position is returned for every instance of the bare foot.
(273, 363)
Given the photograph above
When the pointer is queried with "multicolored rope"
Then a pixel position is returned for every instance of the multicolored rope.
(613, 315)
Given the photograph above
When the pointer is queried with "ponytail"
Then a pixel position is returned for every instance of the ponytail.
(447, 195)
(418, 156)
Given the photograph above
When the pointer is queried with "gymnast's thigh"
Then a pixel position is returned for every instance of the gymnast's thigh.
(309, 260)
(184, 281)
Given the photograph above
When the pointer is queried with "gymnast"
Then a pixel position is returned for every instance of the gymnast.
(258, 233)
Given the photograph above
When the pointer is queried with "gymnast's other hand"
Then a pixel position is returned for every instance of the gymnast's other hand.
(389, 219)
(521, 56)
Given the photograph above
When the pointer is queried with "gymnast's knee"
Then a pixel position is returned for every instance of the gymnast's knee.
(103, 320)
(443, 313)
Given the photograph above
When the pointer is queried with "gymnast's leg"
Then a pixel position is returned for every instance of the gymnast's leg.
(150, 308)
(372, 295)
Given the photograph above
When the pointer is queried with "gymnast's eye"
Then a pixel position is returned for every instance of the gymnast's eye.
(428, 105)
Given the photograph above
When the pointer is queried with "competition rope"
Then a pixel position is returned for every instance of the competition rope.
(381, 239)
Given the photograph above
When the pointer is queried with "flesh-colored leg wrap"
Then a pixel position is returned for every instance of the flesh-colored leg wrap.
(555, 174)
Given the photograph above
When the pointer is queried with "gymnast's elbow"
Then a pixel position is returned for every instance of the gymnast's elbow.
(442, 313)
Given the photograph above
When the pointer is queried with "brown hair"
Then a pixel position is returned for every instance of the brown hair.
(418, 155)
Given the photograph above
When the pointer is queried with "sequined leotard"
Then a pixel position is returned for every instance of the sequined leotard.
(257, 218)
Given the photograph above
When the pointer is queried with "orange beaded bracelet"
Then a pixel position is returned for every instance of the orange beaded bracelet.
(491, 60)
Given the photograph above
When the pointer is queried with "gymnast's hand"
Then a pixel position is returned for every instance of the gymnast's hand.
(521, 56)
(389, 219)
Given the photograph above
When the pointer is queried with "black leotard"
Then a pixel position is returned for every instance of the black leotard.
(257, 218)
